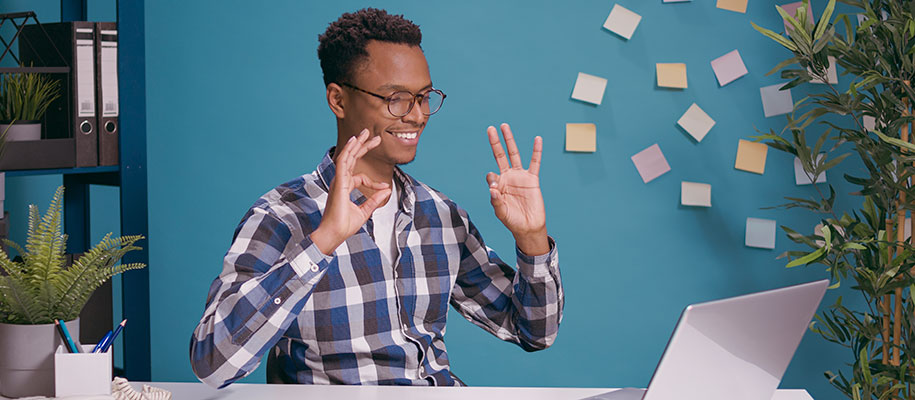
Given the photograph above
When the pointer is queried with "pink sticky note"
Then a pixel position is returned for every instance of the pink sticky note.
(791, 8)
(651, 163)
(728, 68)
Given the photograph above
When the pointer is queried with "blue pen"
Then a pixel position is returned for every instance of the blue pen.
(101, 343)
(70, 341)
(113, 336)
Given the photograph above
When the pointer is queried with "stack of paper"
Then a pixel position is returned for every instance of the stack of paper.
(733, 5)
(760, 233)
(622, 21)
(581, 137)
(776, 102)
(695, 194)
(751, 156)
(651, 163)
(728, 68)
(696, 122)
(589, 88)
(672, 75)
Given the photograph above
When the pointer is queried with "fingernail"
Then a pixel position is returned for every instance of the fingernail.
(350, 139)
(494, 184)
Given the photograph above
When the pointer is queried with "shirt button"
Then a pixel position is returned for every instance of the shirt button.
(277, 301)
(314, 267)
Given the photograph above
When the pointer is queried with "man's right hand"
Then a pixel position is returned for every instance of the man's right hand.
(343, 218)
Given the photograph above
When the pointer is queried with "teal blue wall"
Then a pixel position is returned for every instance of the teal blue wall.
(236, 106)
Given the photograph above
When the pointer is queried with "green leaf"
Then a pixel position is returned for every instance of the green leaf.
(809, 258)
(776, 37)
(824, 19)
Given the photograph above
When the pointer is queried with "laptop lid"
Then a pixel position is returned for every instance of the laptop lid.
(735, 348)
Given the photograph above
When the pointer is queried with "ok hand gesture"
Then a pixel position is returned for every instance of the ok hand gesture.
(515, 193)
(343, 218)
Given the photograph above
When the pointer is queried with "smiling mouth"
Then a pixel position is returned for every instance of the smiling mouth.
(405, 135)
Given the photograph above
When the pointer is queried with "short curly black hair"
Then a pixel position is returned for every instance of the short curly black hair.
(342, 46)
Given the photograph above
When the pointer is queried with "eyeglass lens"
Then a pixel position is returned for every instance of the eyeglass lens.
(401, 103)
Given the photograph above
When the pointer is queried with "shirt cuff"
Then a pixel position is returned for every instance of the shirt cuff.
(538, 266)
(310, 261)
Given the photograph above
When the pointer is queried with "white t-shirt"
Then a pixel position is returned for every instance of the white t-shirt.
(383, 224)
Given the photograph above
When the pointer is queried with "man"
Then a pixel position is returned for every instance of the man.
(345, 275)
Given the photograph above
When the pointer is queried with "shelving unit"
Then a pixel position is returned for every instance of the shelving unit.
(129, 176)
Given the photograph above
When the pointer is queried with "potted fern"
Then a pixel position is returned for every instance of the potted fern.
(24, 99)
(39, 289)
(871, 119)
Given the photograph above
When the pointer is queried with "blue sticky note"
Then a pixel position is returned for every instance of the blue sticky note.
(760, 233)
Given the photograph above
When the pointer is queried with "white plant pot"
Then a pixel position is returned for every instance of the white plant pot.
(22, 130)
(27, 358)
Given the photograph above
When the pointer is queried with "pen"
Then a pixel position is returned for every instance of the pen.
(113, 336)
(102, 342)
(67, 338)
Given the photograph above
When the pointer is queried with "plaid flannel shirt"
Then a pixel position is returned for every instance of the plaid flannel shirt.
(344, 318)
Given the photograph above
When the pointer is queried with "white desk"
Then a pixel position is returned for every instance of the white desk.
(239, 391)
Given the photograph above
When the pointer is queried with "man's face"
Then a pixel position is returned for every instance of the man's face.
(388, 68)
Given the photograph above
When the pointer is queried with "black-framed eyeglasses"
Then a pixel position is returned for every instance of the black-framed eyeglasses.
(400, 103)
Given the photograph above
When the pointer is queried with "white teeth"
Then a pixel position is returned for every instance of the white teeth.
(410, 135)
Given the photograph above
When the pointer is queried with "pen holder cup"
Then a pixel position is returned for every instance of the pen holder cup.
(82, 374)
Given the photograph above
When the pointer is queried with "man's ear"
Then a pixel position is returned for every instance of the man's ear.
(335, 99)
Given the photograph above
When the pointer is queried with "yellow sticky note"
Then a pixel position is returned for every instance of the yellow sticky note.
(672, 75)
(581, 137)
(733, 5)
(751, 156)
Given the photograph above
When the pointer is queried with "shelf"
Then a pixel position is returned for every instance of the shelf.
(63, 171)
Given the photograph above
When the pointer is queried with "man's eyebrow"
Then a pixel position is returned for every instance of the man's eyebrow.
(404, 88)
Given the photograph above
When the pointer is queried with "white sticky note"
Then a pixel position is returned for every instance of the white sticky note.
(800, 176)
(776, 102)
(760, 233)
(728, 68)
(869, 122)
(589, 88)
(695, 194)
(831, 74)
(622, 22)
(696, 122)
(651, 163)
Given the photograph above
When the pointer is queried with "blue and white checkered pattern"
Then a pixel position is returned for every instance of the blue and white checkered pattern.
(346, 319)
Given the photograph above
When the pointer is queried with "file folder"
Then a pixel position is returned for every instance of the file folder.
(106, 61)
(74, 113)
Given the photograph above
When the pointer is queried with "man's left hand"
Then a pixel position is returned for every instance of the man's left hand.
(515, 193)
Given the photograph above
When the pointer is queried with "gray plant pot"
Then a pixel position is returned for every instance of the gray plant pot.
(27, 358)
(22, 130)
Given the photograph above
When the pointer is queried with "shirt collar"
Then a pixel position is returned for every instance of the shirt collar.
(327, 170)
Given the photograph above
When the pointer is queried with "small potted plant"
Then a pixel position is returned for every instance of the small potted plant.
(40, 289)
(24, 99)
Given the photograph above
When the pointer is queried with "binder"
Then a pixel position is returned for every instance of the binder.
(106, 61)
(74, 113)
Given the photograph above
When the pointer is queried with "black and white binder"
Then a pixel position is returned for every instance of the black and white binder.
(106, 61)
(75, 110)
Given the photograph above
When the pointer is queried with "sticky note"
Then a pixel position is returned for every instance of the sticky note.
(869, 122)
(675, 1)
(751, 156)
(581, 137)
(589, 88)
(831, 74)
(760, 233)
(800, 176)
(695, 194)
(622, 22)
(696, 122)
(791, 9)
(776, 102)
(729, 67)
(733, 5)
(672, 75)
(651, 163)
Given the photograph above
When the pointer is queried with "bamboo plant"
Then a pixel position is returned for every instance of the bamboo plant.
(40, 288)
(870, 119)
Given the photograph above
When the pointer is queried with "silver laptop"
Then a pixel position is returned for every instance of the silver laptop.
(736, 348)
